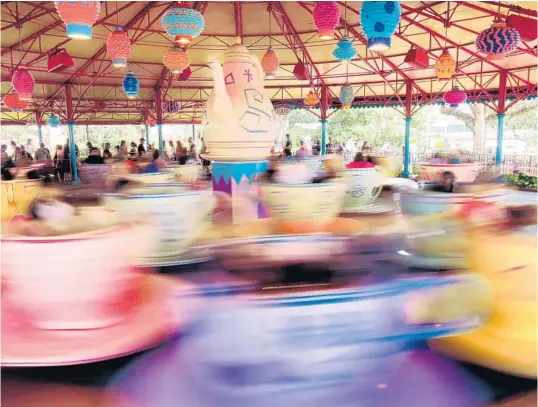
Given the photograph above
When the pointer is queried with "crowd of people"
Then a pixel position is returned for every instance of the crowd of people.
(58, 162)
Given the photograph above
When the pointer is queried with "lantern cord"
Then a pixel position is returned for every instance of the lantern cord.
(117, 16)
(270, 31)
(345, 18)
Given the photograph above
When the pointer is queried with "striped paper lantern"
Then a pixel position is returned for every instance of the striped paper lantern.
(183, 22)
(497, 41)
(455, 96)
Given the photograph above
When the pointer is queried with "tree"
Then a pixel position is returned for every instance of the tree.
(520, 117)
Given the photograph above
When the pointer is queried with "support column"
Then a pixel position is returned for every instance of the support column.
(500, 134)
(159, 112)
(71, 127)
(323, 136)
(39, 126)
(87, 133)
(73, 153)
(147, 136)
(501, 109)
(406, 173)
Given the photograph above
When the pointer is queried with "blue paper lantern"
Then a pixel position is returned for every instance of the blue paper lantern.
(347, 95)
(53, 121)
(183, 22)
(379, 20)
(345, 51)
(131, 85)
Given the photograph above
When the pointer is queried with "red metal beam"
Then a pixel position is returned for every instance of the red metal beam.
(510, 7)
(238, 15)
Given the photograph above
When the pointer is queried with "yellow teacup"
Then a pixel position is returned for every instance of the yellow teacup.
(17, 196)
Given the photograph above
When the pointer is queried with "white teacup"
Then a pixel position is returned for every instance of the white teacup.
(178, 213)
(364, 186)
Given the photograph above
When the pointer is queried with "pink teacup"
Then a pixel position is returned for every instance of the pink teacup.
(73, 281)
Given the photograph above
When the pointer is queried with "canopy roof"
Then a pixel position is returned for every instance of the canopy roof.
(30, 30)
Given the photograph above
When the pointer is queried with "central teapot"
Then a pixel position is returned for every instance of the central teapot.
(239, 117)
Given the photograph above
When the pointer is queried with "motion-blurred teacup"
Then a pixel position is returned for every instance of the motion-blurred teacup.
(363, 187)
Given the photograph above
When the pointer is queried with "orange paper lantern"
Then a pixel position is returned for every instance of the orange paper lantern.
(270, 63)
(176, 60)
(311, 99)
(12, 101)
(445, 66)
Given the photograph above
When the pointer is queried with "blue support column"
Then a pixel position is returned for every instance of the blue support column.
(406, 173)
(147, 136)
(323, 137)
(73, 152)
(40, 132)
(161, 143)
(500, 134)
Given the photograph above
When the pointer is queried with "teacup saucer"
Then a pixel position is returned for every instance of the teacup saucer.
(421, 379)
(226, 159)
(155, 320)
(381, 205)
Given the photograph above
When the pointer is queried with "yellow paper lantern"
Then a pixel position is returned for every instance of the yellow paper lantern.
(445, 66)
(176, 60)
(311, 99)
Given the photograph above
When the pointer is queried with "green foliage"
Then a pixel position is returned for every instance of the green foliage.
(521, 180)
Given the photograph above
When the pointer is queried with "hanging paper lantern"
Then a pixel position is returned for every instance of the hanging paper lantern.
(326, 17)
(345, 51)
(311, 99)
(455, 96)
(379, 20)
(53, 121)
(270, 63)
(282, 110)
(79, 17)
(176, 60)
(151, 121)
(118, 47)
(131, 85)
(445, 66)
(171, 106)
(347, 95)
(497, 41)
(183, 22)
(12, 101)
(23, 82)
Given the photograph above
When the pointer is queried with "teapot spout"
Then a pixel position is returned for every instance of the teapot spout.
(220, 105)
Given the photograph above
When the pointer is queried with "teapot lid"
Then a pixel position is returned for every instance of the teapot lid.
(238, 53)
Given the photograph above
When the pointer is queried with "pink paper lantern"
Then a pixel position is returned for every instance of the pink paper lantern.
(326, 16)
(455, 96)
(118, 47)
(23, 82)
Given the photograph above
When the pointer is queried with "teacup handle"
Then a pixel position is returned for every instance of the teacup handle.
(476, 303)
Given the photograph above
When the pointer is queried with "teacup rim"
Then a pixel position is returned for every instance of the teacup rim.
(189, 191)
(310, 184)
(142, 174)
(449, 165)
(72, 237)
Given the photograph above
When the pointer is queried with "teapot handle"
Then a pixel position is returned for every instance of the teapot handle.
(468, 298)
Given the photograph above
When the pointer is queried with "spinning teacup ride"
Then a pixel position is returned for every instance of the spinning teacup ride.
(76, 306)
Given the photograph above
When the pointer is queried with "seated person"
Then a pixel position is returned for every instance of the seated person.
(6, 163)
(360, 162)
(154, 165)
(94, 157)
(448, 180)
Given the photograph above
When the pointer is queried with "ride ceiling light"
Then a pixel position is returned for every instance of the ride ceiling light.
(183, 22)
(270, 63)
(347, 95)
(345, 51)
(131, 85)
(118, 47)
(79, 17)
(455, 96)
(379, 20)
(176, 60)
(23, 82)
(326, 17)
(497, 41)
(445, 66)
